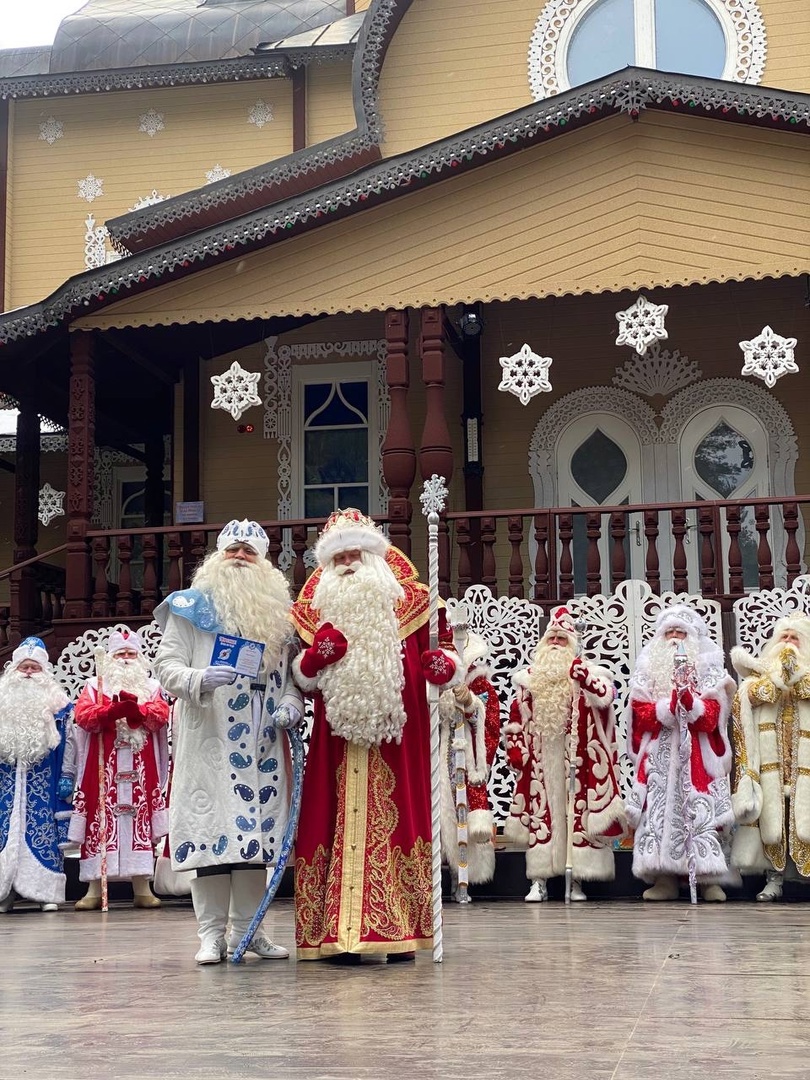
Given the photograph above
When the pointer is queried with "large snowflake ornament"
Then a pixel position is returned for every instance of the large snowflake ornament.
(641, 325)
(260, 114)
(236, 390)
(434, 495)
(525, 374)
(769, 356)
(51, 504)
(151, 122)
(51, 129)
(92, 187)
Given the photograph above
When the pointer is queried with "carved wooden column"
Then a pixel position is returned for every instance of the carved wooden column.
(436, 453)
(398, 452)
(81, 445)
(22, 587)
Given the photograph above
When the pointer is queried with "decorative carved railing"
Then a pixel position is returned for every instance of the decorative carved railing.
(36, 598)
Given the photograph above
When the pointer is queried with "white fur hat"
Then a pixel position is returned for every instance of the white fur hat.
(244, 532)
(346, 530)
(124, 639)
(681, 617)
(32, 648)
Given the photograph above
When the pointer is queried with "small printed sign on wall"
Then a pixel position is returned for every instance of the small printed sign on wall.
(189, 513)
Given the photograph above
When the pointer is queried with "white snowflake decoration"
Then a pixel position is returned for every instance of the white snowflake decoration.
(51, 130)
(769, 356)
(658, 373)
(434, 495)
(641, 325)
(525, 374)
(92, 187)
(217, 173)
(151, 123)
(236, 390)
(260, 114)
(51, 504)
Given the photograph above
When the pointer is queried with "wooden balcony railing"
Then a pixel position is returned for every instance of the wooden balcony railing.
(720, 549)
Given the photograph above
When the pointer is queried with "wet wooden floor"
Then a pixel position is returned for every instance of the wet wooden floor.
(619, 990)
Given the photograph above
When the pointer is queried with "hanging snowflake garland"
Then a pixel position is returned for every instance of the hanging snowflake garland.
(51, 504)
(642, 324)
(769, 356)
(236, 390)
(525, 374)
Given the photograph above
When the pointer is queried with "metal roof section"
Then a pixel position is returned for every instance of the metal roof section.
(33, 60)
(117, 34)
(629, 92)
(343, 32)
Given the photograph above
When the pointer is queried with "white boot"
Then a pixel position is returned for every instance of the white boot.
(665, 888)
(577, 892)
(91, 901)
(713, 894)
(210, 896)
(538, 893)
(142, 895)
(247, 890)
(773, 887)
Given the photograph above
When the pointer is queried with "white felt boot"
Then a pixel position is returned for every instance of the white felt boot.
(247, 890)
(210, 896)
(538, 893)
(665, 888)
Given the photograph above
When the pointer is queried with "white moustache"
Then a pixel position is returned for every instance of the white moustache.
(350, 568)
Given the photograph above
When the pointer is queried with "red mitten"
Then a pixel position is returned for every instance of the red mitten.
(437, 667)
(673, 702)
(686, 699)
(328, 646)
(578, 671)
(108, 714)
(514, 757)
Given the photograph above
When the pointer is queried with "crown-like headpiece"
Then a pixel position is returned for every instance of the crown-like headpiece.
(244, 532)
(681, 617)
(31, 648)
(346, 530)
(124, 639)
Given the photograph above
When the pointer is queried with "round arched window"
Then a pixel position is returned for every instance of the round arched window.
(576, 41)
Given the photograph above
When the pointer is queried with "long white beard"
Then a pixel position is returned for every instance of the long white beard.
(362, 693)
(550, 687)
(251, 599)
(662, 664)
(772, 657)
(133, 677)
(27, 705)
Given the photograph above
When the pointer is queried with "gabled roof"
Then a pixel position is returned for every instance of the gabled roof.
(629, 93)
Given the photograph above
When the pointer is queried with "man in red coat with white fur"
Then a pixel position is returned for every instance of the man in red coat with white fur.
(560, 690)
(363, 852)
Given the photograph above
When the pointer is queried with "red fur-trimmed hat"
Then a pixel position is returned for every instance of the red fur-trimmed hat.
(346, 530)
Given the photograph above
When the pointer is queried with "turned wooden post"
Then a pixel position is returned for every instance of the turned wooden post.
(398, 452)
(516, 559)
(793, 557)
(762, 517)
(736, 583)
(435, 452)
(23, 591)
(81, 447)
(542, 528)
(593, 562)
(618, 558)
(652, 567)
(565, 531)
(680, 576)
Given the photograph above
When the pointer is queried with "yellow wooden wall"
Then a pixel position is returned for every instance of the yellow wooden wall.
(329, 101)
(457, 63)
(669, 200)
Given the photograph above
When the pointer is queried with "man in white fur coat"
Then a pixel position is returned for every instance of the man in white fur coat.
(771, 797)
(559, 689)
(232, 775)
(663, 805)
(470, 713)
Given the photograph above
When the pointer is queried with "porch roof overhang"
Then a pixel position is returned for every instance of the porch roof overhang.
(314, 227)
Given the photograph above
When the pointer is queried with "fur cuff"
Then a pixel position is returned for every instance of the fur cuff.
(746, 802)
(479, 826)
(601, 822)
(663, 714)
(309, 686)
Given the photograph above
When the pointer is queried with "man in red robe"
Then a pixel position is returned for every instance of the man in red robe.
(363, 852)
(563, 711)
(124, 710)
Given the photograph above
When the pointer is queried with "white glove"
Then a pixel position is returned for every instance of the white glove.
(217, 676)
(286, 716)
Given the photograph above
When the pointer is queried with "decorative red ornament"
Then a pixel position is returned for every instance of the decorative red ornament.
(245, 429)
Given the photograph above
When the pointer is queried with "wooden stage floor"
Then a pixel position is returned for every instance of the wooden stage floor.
(614, 990)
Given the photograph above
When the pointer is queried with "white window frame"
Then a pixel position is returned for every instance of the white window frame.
(741, 21)
(305, 374)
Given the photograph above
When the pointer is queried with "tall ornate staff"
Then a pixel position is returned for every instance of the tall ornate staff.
(683, 678)
(100, 657)
(297, 751)
(460, 623)
(573, 750)
(433, 498)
